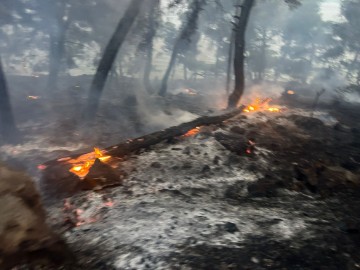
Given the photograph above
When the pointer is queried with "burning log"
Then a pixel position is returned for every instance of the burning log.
(66, 176)
(130, 146)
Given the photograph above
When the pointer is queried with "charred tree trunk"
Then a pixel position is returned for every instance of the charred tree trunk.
(149, 44)
(239, 59)
(166, 77)
(230, 61)
(108, 58)
(8, 130)
(180, 45)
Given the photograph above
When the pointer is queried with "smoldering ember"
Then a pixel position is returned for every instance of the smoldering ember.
(179, 134)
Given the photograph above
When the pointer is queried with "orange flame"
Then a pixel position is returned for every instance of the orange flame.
(192, 132)
(33, 97)
(83, 164)
(261, 105)
(290, 92)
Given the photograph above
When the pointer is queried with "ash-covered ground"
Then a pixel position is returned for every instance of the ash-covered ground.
(203, 202)
(209, 201)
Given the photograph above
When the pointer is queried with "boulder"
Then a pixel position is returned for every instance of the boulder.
(24, 235)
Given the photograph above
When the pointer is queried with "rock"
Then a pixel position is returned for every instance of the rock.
(234, 192)
(24, 234)
(187, 150)
(265, 187)
(230, 227)
(308, 124)
(238, 130)
(156, 165)
(206, 169)
(232, 142)
(216, 160)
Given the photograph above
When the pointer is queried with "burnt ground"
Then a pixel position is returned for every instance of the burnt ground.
(261, 191)
(203, 202)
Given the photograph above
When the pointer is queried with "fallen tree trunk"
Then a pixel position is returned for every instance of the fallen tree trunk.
(131, 146)
(58, 182)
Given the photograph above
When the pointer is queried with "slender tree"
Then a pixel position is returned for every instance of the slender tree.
(57, 35)
(239, 59)
(57, 44)
(8, 129)
(149, 42)
(109, 57)
(182, 41)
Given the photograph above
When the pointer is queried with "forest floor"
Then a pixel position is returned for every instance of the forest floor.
(203, 203)
(208, 201)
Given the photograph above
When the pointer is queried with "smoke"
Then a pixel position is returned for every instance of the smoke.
(283, 45)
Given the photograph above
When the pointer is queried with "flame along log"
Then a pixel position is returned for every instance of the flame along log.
(58, 181)
(131, 146)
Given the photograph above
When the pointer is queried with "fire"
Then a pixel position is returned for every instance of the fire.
(290, 92)
(33, 97)
(83, 164)
(261, 105)
(192, 132)
(273, 109)
(189, 92)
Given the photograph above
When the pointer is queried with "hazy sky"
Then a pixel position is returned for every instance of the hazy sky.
(331, 10)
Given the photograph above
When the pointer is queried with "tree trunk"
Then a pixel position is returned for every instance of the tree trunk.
(166, 77)
(57, 47)
(185, 72)
(108, 58)
(149, 44)
(239, 58)
(184, 37)
(230, 59)
(8, 130)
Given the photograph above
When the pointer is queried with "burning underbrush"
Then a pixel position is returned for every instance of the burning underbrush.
(260, 104)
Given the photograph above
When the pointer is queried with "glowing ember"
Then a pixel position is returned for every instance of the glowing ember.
(41, 167)
(290, 92)
(192, 132)
(250, 147)
(83, 164)
(273, 109)
(261, 105)
(33, 97)
(109, 203)
(190, 92)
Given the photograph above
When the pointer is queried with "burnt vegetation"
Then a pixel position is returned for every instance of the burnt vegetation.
(179, 134)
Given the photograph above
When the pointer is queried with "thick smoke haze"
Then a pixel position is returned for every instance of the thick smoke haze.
(50, 50)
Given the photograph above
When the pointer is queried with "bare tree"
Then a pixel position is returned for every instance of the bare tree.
(183, 40)
(8, 130)
(239, 59)
(149, 42)
(109, 56)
